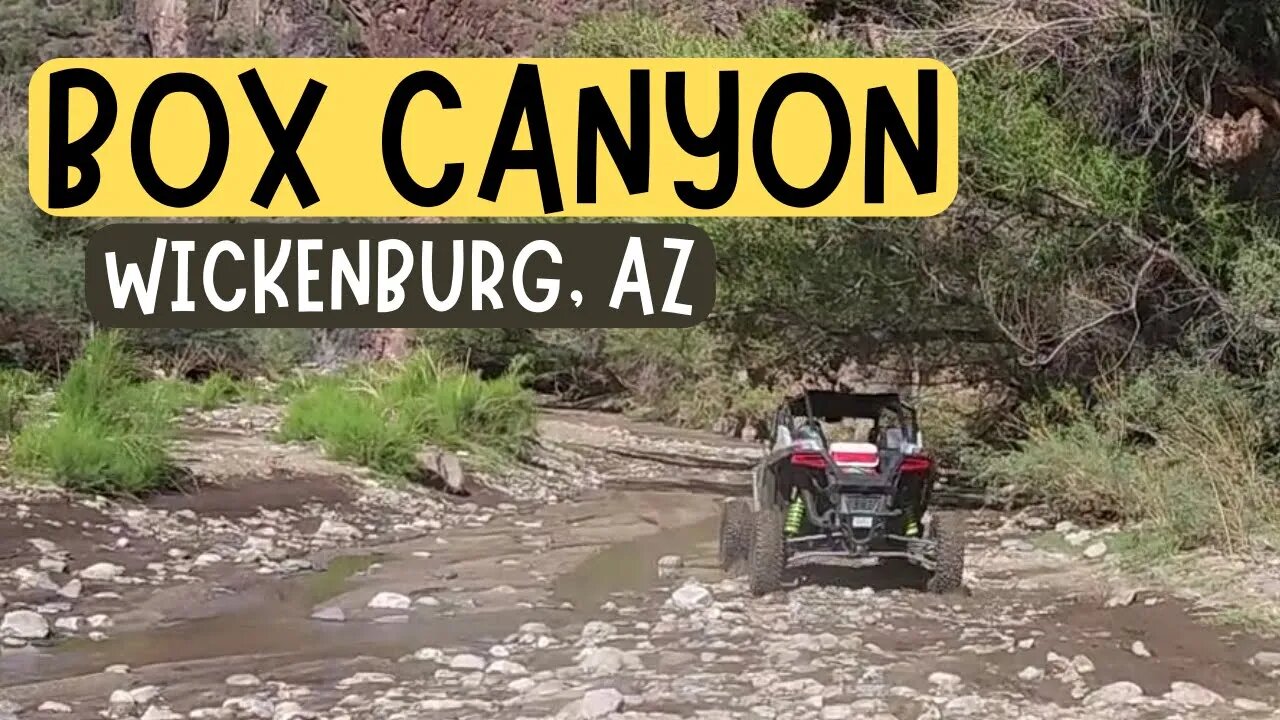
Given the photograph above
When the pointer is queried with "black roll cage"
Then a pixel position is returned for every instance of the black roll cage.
(832, 405)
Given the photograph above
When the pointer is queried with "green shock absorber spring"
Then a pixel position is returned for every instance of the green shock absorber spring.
(795, 515)
(912, 527)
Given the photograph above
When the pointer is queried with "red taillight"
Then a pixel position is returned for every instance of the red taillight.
(911, 464)
(814, 460)
(916, 464)
(808, 459)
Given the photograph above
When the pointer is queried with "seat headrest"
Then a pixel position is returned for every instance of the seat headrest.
(893, 438)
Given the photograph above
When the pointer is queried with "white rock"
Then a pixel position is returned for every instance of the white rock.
(1095, 550)
(430, 654)
(691, 596)
(251, 707)
(289, 711)
(155, 712)
(1192, 695)
(522, 685)
(1139, 648)
(1116, 693)
(391, 601)
(120, 703)
(506, 667)
(102, 571)
(467, 661)
(1082, 664)
(336, 529)
(599, 703)
(594, 632)
(366, 678)
(243, 680)
(1266, 659)
(1030, 673)
(607, 661)
(29, 579)
(964, 706)
(1076, 538)
(329, 614)
(145, 694)
(42, 546)
(204, 559)
(24, 624)
(1122, 597)
(53, 706)
(945, 680)
(72, 589)
(1250, 705)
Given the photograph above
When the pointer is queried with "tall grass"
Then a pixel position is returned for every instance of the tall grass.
(16, 388)
(381, 416)
(110, 433)
(1177, 450)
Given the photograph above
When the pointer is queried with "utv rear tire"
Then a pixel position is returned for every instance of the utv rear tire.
(948, 534)
(767, 556)
(735, 533)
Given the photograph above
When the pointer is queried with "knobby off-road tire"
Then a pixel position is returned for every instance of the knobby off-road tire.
(948, 572)
(767, 556)
(735, 533)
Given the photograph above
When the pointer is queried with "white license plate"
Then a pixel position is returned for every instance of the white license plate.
(862, 521)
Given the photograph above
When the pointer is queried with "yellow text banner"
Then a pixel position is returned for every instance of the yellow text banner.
(572, 137)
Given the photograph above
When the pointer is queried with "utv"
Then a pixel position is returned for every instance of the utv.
(814, 498)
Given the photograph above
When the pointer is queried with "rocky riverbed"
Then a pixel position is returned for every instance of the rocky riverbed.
(284, 585)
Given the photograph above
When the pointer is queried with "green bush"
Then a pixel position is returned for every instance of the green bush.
(16, 387)
(1177, 449)
(683, 376)
(219, 389)
(111, 433)
(95, 454)
(382, 415)
(352, 424)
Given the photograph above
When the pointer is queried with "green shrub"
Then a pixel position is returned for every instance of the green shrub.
(219, 389)
(382, 415)
(1177, 449)
(352, 424)
(111, 433)
(95, 454)
(93, 383)
(16, 387)
(682, 375)
(278, 350)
